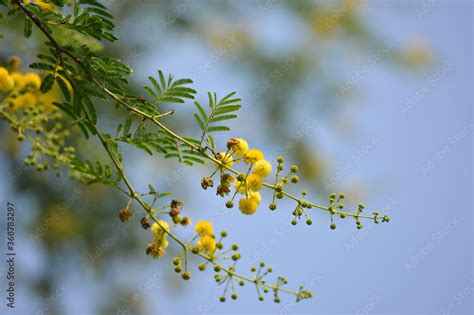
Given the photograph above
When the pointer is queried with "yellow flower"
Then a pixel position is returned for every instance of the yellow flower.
(157, 231)
(225, 158)
(26, 100)
(14, 62)
(204, 228)
(239, 146)
(240, 187)
(6, 81)
(252, 156)
(162, 242)
(32, 79)
(158, 248)
(262, 168)
(248, 205)
(19, 80)
(255, 195)
(254, 182)
(207, 244)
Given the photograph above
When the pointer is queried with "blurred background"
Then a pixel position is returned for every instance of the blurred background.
(370, 98)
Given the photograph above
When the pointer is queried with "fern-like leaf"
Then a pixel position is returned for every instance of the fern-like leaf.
(169, 91)
(221, 112)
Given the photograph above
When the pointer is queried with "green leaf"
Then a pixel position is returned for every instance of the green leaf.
(90, 109)
(218, 112)
(126, 127)
(218, 128)
(169, 91)
(64, 88)
(28, 27)
(47, 83)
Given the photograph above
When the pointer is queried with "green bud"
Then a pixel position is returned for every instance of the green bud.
(186, 275)
(332, 226)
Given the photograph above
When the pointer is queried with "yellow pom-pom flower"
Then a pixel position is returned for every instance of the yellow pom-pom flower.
(207, 245)
(255, 195)
(6, 81)
(252, 156)
(26, 100)
(225, 158)
(18, 79)
(262, 168)
(158, 248)
(254, 182)
(204, 228)
(240, 147)
(240, 187)
(32, 79)
(249, 204)
(157, 231)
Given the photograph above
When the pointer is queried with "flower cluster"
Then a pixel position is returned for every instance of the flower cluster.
(23, 89)
(31, 115)
(160, 243)
(247, 184)
(207, 242)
